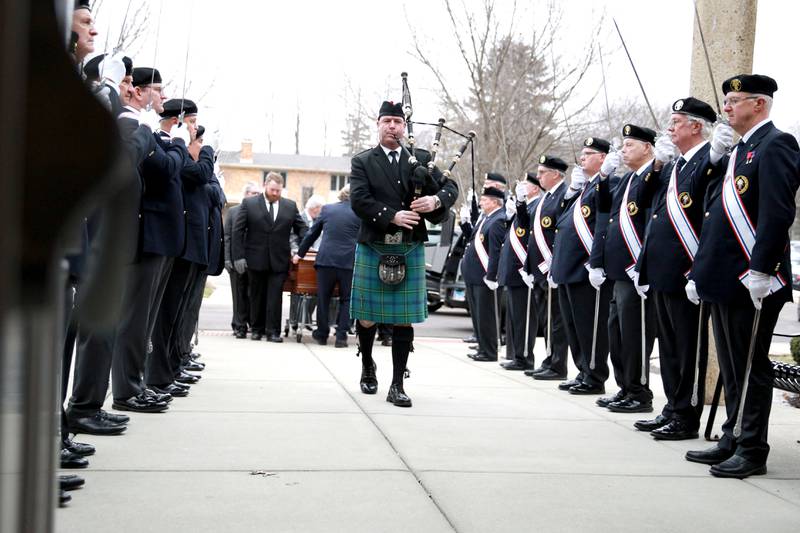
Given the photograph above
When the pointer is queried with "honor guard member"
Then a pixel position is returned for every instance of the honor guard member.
(479, 269)
(669, 248)
(540, 254)
(392, 198)
(521, 316)
(161, 239)
(241, 301)
(616, 257)
(583, 307)
(742, 268)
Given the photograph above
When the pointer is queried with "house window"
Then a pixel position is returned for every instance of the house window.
(339, 181)
(307, 193)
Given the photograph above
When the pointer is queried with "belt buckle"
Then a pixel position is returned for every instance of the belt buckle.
(393, 238)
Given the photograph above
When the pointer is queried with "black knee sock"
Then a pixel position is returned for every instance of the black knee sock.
(402, 337)
(366, 338)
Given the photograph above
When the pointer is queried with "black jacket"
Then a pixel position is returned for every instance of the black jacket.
(264, 244)
(338, 245)
(492, 233)
(551, 211)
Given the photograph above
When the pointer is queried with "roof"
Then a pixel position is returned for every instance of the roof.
(319, 163)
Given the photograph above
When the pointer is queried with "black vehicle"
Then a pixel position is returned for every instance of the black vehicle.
(443, 253)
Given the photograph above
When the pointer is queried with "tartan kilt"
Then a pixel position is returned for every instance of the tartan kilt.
(373, 300)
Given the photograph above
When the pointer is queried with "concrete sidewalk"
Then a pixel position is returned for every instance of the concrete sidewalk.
(278, 437)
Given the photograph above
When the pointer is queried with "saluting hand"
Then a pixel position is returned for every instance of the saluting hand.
(406, 219)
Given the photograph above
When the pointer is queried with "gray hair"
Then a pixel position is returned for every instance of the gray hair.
(344, 193)
(250, 186)
(315, 201)
(705, 126)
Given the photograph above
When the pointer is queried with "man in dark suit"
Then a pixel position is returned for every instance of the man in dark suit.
(577, 227)
(742, 267)
(260, 246)
(239, 285)
(668, 251)
(540, 252)
(334, 263)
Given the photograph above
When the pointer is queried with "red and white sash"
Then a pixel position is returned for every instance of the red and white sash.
(678, 218)
(628, 230)
(581, 225)
(517, 245)
(541, 242)
(483, 255)
(739, 219)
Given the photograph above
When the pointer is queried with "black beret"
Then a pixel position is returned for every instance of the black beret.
(200, 131)
(128, 62)
(494, 176)
(494, 192)
(695, 108)
(750, 83)
(83, 4)
(92, 68)
(595, 143)
(639, 133)
(390, 109)
(174, 106)
(145, 76)
(533, 178)
(554, 163)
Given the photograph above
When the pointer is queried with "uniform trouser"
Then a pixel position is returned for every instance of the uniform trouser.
(625, 339)
(70, 332)
(485, 301)
(677, 319)
(473, 309)
(145, 282)
(182, 348)
(540, 302)
(93, 359)
(327, 278)
(733, 325)
(555, 333)
(577, 303)
(241, 301)
(517, 323)
(158, 368)
(266, 290)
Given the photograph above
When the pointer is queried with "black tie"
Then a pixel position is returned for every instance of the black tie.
(394, 165)
(271, 213)
(679, 165)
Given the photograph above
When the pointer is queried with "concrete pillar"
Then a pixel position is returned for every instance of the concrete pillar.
(729, 28)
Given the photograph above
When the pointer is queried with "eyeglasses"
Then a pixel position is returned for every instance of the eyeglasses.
(733, 100)
(587, 153)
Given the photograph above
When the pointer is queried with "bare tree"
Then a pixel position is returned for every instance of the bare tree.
(357, 134)
(135, 27)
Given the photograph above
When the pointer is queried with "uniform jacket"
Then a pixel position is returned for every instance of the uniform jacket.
(664, 262)
(492, 234)
(263, 243)
(766, 171)
(216, 202)
(551, 211)
(609, 250)
(337, 248)
(194, 178)
(508, 270)
(376, 195)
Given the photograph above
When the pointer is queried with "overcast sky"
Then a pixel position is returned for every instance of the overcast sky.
(255, 63)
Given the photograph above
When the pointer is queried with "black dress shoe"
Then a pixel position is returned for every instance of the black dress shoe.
(63, 498)
(398, 396)
(320, 340)
(471, 339)
(473, 347)
(184, 386)
(631, 405)
(158, 397)
(650, 425)
(95, 424)
(566, 385)
(274, 338)
(549, 375)
(172, 390)
(78, 448)
(193, 366)
(585, 388)
(70, 482)
(195, 355)
(738, 467)
(140, 404)
(185, 377)
(256, 336)
(72, 460)
(386, 341)
(340, 343)
(535, 371)
(675, 430)
(516, 364)
(710, 456)
(240, 335)
(606, 400)
(484, 358)
(369, 382)
(114, 417)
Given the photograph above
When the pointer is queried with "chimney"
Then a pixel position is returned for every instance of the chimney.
(246, 155)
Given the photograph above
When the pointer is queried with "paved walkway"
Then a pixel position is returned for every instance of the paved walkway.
(279, 438)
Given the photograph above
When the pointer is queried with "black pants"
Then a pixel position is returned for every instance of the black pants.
(93, 359)
(625, 339)
(241, 301)
(677, 319)
(733, 325)
(517, 322)
(145, 282)
(577, 304)
(327, 279)
(554, 333)
(473, 309)
(266, 291)
(70, 333)
(188, 322)
(486, 317)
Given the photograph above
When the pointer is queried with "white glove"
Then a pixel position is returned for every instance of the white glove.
(150, 118)
(596, 277)
(721, 141)
(521, 191)
(758, 285)
(691, 292)
(181, 132)
(112, 68)
(511, 209)
(491, 284)
(665, 150)
(641, 290)
(610, 164)
(577, 178)
(553, 284)
(240, 265)
(463, 213)
(528, 279)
